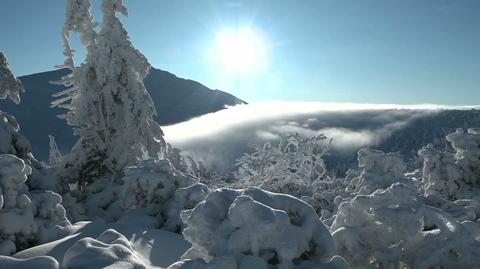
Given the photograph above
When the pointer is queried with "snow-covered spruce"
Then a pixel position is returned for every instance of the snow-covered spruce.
(252, 228)
(454, 176)
(106, 98)
(14, 143)
(11, 140)
(10, 86)
(162, 190)
(55, 156)
(26, 218)
(17, 226)
(392, 228)
(109, 250)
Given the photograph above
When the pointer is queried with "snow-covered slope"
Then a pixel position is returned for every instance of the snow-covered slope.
(175, 99)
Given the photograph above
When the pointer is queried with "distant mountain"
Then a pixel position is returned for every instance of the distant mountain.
(175, 99)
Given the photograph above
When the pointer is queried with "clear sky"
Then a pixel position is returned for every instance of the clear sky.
(375, 51)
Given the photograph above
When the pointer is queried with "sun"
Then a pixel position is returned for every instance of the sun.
(242, 50)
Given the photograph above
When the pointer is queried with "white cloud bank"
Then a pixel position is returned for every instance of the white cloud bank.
(219, 138)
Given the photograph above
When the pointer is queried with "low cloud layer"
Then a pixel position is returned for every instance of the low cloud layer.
(220, 138)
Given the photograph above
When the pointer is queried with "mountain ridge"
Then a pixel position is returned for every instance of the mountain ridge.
(176, 99)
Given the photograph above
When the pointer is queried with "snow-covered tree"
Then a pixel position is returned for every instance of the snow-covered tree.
(109, 107)
(55, 155)
(11, 140)
(454, 176)
(10, 86)
(289, 167)
(185, 163)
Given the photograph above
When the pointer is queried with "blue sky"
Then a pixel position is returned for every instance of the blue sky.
(375, 51)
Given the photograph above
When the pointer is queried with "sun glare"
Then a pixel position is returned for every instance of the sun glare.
(241, 50)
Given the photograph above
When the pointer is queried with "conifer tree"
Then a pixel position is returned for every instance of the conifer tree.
(108, 106)
(10, 86)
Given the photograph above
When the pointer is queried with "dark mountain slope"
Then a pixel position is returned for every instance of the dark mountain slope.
(175, 99)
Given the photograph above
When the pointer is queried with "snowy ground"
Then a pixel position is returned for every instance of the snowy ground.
(152, 247)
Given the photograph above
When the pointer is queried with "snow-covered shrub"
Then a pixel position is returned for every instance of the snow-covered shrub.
(98, 200)
(454, 176)
(253, 228)
(27, 218)
(295, 166)
(326, 196)
(109, 250)
(108, 105)
(161, 189)
(152, 182)
(289, 167)
(392, 228)
(379, 171)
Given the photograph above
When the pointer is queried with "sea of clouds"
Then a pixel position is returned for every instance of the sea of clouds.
(219, 138)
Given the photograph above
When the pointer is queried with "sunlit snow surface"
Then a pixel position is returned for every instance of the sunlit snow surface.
(150, 247)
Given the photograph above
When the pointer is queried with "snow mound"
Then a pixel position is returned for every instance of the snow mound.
(40, 262)
(184, 199)
(392, 228)
(110, 250)
(253, 228)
